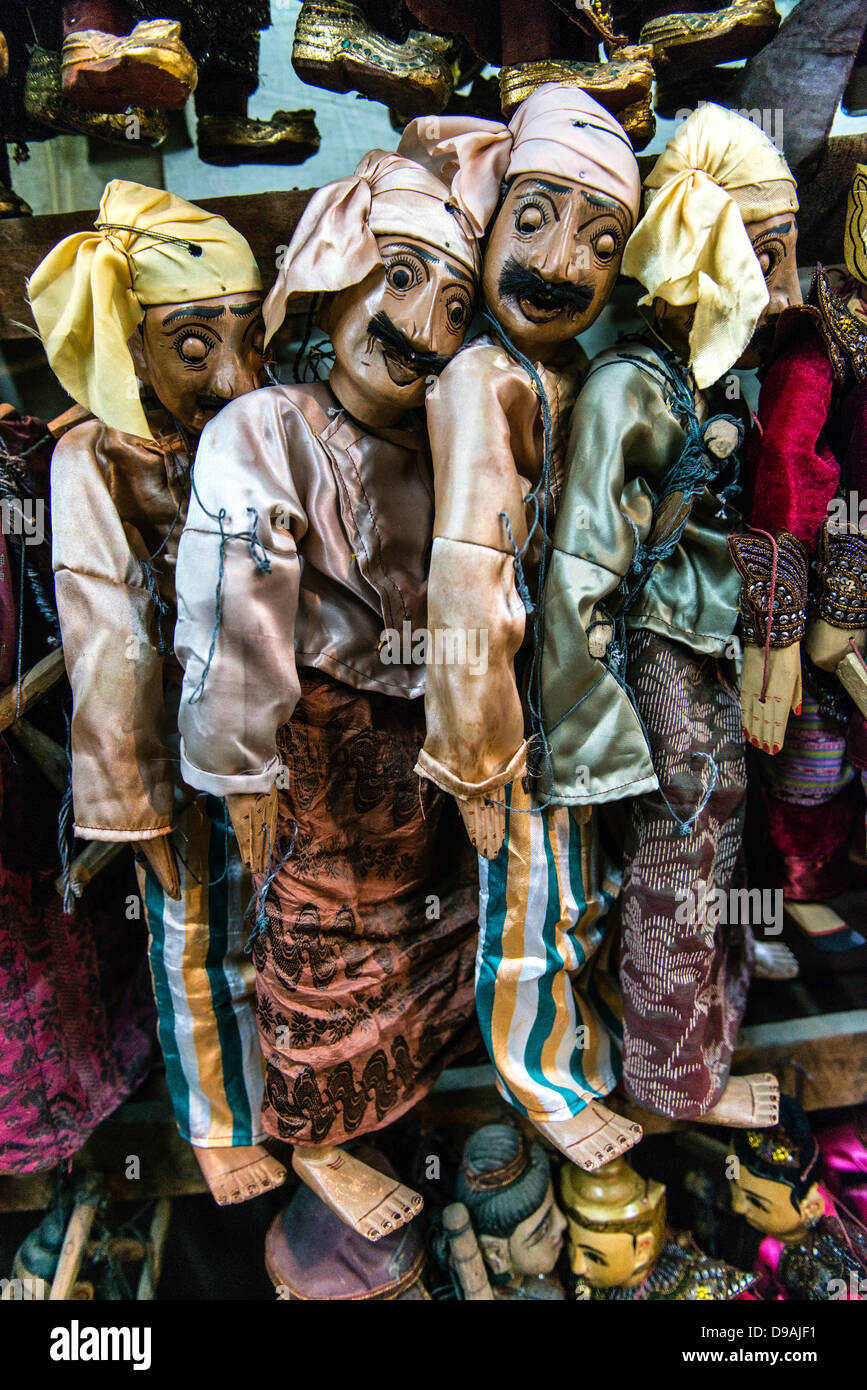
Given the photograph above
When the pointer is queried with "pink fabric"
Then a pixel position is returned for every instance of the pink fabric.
(334, 244)
(558, 131)
(845, 1159)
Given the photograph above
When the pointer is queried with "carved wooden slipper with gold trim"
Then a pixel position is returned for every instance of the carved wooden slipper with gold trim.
(688, 42)
(45, 104)
(150, 67)
(289, 137)
(624, 81)
(336, 48)
(11, 204)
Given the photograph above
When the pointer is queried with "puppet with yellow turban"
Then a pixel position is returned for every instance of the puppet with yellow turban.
(152, 322)
(638, 683)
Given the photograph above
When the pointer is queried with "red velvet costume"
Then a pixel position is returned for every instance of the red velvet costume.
(811, 449)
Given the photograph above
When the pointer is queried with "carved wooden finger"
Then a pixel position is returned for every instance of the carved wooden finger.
(89, 863)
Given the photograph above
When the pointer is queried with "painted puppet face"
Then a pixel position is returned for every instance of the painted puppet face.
(201, 354)
(552, 260)
(775, 243)
(770, 1206)
(611, 1259)
(391, 333)
(535, 1243)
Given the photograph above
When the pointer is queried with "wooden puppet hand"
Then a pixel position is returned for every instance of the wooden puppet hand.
(765, 720)
(254, 817)
(161, 856)
(485, 824)
(826, 645)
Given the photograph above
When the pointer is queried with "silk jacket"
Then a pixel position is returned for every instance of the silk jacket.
(485, 423)
(624, 438)
(117, 509)
(306, 545)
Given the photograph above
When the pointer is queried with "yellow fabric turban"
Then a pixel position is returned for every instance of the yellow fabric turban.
(855, 236)
(691, 247)
(90, 292)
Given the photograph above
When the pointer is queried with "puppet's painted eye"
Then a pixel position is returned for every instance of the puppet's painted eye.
(457, 310)
(605, 246)
(401, 275)
(259, 340)
(192, 348)
(529, 218)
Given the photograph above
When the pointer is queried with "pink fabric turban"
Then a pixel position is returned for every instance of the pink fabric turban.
(559, 130)
(334, 244)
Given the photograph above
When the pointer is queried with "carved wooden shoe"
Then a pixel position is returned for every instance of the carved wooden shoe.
(623, 82)
(336, 48)
(11, 205)
(149, 67)
(372, 1203)
(289, 137)
(45, 104)
(687, 42)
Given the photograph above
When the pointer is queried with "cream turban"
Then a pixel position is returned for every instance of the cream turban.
(334, 244)
(855, 236)
(90, 292)
(559, 131)
(691, 246)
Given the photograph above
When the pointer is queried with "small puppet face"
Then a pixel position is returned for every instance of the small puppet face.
(775, 243)
(391, 332)
(612, 1259)
(552, 260)
(772, 1207)
(534, 1245)
(197, 356)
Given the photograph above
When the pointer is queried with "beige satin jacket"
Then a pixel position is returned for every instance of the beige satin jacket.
(117, 501)
(326, 531)
(623, 440)
(485, 424)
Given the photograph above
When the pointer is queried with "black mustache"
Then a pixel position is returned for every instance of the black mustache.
(519, 281)
(208, 401)
(382, 328)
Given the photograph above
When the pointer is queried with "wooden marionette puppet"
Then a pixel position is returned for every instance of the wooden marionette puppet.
(153, 321)
(302, 566)
(505, 1227)
(569, 199)
(812, 1250)
(618, 1247)
(638, 692)
(807, 474)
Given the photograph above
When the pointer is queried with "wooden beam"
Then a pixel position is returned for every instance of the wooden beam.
(34, 684)
(267, 220)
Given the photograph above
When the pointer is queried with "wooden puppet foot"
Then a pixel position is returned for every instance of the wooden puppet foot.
(748, 1102)
(593, 1137)
(372, 1203)
(238, 1174)
(486, 825)
(774, 961)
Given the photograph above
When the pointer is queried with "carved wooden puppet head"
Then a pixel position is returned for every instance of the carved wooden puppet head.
(505, 1184)
(398, 258)
(716, 247)
(616, 1223)
(774, 1182)
(562, 183)
(160, 305)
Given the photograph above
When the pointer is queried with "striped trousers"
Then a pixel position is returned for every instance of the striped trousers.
(204, 983)
(545, 994)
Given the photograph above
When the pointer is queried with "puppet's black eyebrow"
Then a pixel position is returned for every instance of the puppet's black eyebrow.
(196, 311)
(242, 310)
(775, 231)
